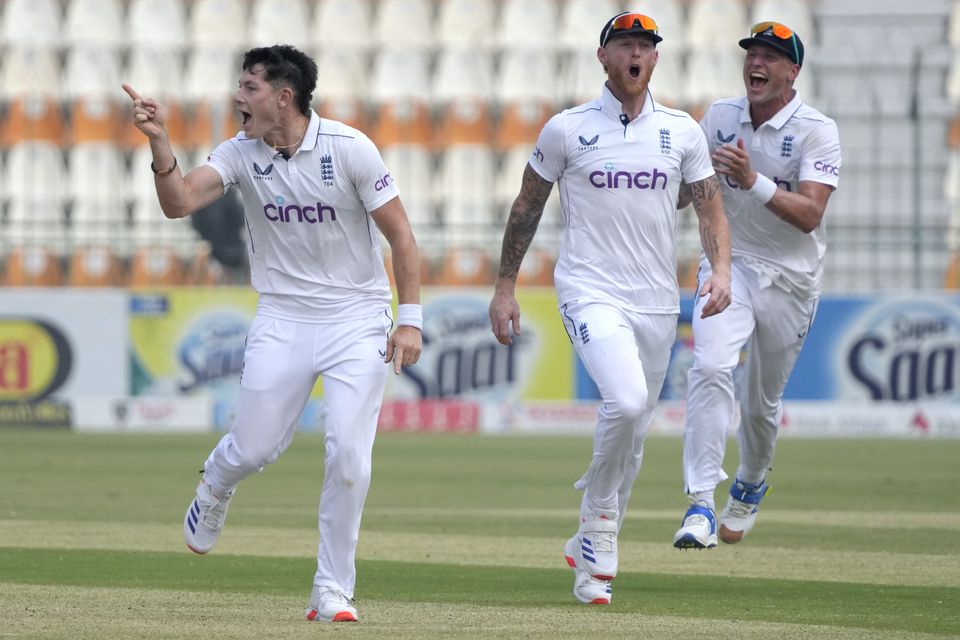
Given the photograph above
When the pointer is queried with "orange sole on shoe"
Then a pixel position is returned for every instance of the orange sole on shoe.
(343, 616)
(729, 535)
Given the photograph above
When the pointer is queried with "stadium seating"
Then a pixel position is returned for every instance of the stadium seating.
(405, 23)
(80, 82)
(94, 23)
(465, 265)
(672, 24)
(30, 69)
(32, 266)
(342, 25)
(463, 74)
(527, 75)
(466, 23)
(154, 266)
(528, 24)
(156, 25)
(96, 266)
(536, 269)
(400, 74)
(211, 75)
(576, 14)
(276, 21)
(31, 22)
(454, 92)
(218, 24)
(714, 24)
(405, 136)
(796, 14)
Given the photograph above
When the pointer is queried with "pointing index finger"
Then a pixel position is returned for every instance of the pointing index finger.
(130, 92)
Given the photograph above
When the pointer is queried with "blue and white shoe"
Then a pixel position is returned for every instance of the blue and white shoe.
(698, 529)
(740, 514)
(586, 588)
(205, 517)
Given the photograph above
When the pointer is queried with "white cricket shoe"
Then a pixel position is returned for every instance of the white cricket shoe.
(740, 514)
(596, 548)
(698, 529)
(330, 605)
(204, 520)
(586, 588)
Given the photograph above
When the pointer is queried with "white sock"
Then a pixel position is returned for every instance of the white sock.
(704, 499)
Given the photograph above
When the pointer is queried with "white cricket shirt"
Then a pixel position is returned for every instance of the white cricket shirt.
(798, 143)
(314, 249)
(618, 188)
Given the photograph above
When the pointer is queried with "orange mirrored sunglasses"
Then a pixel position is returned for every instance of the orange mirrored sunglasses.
(628, 21)
(781, 31)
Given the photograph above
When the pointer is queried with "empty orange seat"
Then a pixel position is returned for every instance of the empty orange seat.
(95, 120)
(32, 119)
(95, 267)
(349, 111)
(536, 269)
(521, 123)
(404, 122)
(466, 266)
(33, 266)
(156, 266)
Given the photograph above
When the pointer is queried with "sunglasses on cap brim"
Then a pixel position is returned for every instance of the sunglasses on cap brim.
(630, 22)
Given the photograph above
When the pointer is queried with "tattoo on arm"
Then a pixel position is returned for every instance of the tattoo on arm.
(706, 193)
(704, 190)
(523, 221)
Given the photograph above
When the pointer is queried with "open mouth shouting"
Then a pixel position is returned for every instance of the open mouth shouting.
(758, 80)
(245, 116)
(634, 71)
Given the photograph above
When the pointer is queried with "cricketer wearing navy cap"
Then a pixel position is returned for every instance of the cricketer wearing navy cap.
(778, 36)
(779, 161)
(619, 162)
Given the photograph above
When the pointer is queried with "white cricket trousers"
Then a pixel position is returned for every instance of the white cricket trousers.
(280, 367)
(772, 323)
(627, 355)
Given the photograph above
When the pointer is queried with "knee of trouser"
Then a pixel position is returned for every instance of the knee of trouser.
(256, 456)
(706, 368)
(349, 467)
(755, 413)
(630, 406)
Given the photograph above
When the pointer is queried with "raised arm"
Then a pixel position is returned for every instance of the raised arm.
(521, 226)
(803, 209)
(715, 240)
(179, 195)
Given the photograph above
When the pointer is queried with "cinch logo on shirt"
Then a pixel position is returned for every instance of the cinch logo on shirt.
(609, 179)
(281, 212)
(383, 182)
(823, 167)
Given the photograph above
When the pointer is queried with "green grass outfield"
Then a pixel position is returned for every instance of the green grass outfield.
(462, 538)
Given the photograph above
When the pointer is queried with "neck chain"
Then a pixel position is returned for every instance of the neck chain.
(293, 144)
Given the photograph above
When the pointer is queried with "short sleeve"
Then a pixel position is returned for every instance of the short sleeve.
(371, 178)
(225, 159)
(549, 157)
(696, 165)
(820, 159)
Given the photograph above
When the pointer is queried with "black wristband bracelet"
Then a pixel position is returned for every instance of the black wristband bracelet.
(165, 172)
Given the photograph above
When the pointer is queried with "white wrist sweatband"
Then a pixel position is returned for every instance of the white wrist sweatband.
(763, 189)
(410, 315)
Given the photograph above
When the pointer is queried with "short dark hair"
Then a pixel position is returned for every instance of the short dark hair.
(286, 65)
